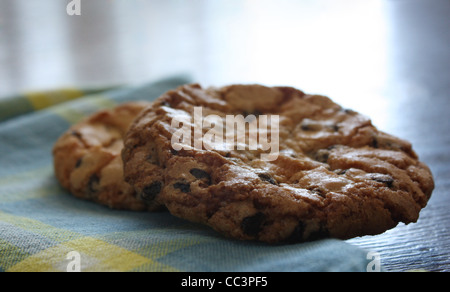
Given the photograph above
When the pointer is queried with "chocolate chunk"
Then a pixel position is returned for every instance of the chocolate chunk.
(306, 126)
(332, 147)
(350, 112)
(266, 177)
(93, 184)
(297, 234)
(255, 113)
(375, 143)
(334, 127)
(78, 163)
(184, 187)
(319, 234)
(387, 180)
(150, 192)
(319, 192)
(166, 103)
(76, 134)
(322, 155)
(199, 173)
(341, 171)
(311, 125)
(252, 225)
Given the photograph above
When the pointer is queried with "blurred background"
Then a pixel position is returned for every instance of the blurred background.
(388, 59)
(351, 50)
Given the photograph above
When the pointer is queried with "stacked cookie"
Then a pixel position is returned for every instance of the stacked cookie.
(328, 173)
(87, 158)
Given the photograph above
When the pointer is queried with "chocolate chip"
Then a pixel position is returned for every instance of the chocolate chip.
(78, 163)
(385, 179)
(76, 134)
(306, 127)
(166, 103)
(311, 125)
(151, 191)
(297, 234)
(255, 113)
(173, 151)
(322, 155)
(341, 171)
(334, 127)
(375, 143)
(252, 225)
(319, 192)
(93, 184)
(201, 174)
(349, 111)
(266, 177)
(184, 187)
(319, 234)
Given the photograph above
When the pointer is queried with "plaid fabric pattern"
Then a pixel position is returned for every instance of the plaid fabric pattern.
(43, 228)
(13, 106)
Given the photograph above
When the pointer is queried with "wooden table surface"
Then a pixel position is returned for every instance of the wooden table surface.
(387, 59)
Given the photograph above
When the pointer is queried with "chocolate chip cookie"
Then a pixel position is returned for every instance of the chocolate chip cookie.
(87, 158)
(334, 174)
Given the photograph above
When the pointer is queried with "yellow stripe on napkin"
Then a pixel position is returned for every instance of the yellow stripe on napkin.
(95, 255)
(73, 114)
(44, 99)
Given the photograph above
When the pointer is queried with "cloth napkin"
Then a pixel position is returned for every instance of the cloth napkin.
(43, 228)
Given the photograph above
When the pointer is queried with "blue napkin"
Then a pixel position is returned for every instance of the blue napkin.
(43, 228)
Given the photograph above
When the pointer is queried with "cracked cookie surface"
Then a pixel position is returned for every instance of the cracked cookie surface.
(336, 175)
(87, 158)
